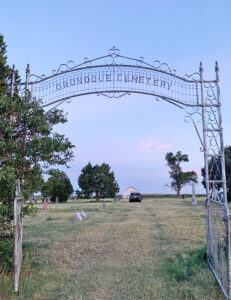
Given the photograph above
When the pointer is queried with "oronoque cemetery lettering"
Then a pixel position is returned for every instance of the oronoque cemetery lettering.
(114, 79)
(109, 77)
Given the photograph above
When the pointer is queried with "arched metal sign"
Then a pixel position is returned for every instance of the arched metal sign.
(114, 76)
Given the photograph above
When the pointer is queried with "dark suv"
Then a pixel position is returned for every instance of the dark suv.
(135, 197)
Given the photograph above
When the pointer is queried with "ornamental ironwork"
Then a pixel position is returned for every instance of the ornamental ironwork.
(114, 75)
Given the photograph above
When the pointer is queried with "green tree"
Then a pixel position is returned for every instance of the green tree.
(86, 181)
(4, 68)
(179, 178)
(28, 143)
(214, 166)
(5, 71)
(99, 180)
(58, 185)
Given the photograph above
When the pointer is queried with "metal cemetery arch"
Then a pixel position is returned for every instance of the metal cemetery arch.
(114, 76)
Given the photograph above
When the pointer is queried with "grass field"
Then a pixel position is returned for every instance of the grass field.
(149, 250)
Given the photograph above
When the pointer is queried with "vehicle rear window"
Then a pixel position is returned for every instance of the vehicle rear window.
(135, 194)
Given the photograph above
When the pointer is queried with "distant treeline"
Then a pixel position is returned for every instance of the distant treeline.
(166, 195)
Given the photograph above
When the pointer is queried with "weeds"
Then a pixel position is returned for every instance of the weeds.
(186, 265)
(6, 254)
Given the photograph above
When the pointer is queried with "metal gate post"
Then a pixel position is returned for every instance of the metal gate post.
(12, 81)
(208, 207)
(27, 80)
(223, 175)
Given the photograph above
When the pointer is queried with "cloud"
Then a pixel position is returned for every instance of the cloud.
(149, 146)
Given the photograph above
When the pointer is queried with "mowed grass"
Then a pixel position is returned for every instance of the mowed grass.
(149, 250)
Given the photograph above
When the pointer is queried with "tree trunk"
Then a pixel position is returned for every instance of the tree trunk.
(97, 196)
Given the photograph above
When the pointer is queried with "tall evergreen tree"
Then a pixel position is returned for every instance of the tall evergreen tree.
(4, 68)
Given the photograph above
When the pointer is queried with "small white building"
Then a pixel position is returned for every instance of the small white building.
(128, 191)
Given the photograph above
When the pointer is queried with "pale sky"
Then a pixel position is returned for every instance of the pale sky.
(132, 133)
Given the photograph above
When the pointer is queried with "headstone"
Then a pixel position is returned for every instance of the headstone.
(83, 214)
(194, 200)
(116, 199)
(78, 216)
(45, 205)
(57, 200)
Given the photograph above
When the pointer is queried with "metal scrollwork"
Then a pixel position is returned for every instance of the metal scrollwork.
(193, 114)
(194, 76)
(64, 67)
(113, 95)
(140, 61)
(157, 65)
(114, 51)
(36, 78)
(114, 55)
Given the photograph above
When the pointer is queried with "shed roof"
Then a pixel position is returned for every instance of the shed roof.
(129, 188)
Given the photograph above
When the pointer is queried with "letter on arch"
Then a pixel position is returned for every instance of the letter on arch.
(58, 86)
(65, 84)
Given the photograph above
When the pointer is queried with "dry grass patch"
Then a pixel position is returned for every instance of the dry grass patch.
(127, 251)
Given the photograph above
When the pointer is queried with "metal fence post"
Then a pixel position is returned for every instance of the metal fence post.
(27, 80)
(223, 174)
(208, 210)
(12, 81)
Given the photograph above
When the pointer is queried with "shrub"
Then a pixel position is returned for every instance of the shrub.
(6, 254)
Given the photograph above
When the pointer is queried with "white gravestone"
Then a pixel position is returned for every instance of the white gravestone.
(194, 200)
(83, 215)
(78, 216)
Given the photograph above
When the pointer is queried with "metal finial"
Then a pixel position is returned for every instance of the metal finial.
(201, 67)
(114, 51)
(27, 78)
(12, 81)
(216, 66)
